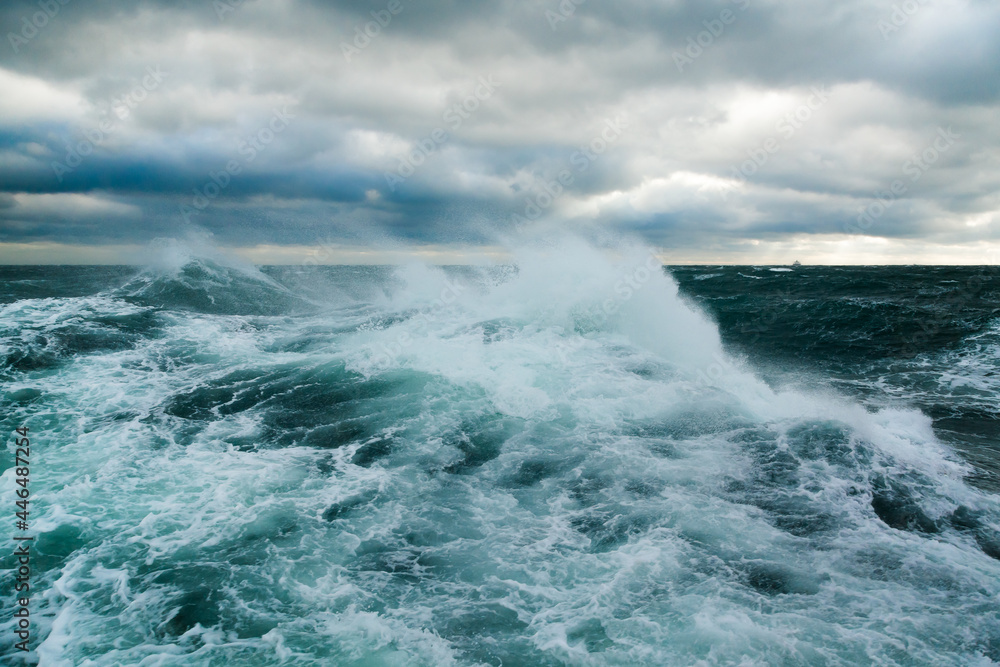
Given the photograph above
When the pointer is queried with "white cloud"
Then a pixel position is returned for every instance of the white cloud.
(28, 99)
(70, 205)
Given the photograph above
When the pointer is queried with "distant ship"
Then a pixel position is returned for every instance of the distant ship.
(796, 263)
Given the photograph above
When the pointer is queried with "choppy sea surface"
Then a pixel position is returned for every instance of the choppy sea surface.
(577, 458)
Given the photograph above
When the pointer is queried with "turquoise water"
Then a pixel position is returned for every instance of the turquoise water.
(564, 461)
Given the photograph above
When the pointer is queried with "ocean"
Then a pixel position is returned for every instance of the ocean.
(577, 457)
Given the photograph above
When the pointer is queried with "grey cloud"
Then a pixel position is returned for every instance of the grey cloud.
(355, 119)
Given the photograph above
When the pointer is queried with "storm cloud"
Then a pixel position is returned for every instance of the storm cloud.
(747, 130)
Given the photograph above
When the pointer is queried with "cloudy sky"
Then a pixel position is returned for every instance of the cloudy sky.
(747, 131)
